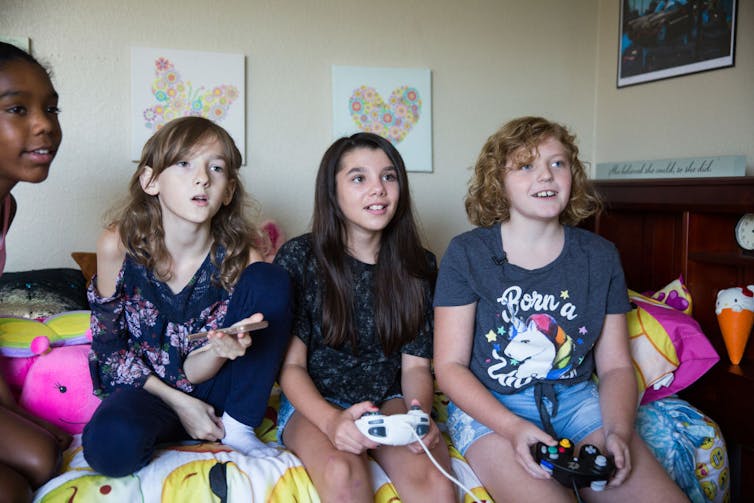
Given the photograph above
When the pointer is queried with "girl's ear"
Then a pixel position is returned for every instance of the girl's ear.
(230, 190)
(149, 185)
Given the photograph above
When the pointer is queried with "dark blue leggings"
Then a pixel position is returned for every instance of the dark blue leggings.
(128, 425)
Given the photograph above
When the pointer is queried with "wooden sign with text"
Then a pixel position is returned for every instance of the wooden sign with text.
(688, 167)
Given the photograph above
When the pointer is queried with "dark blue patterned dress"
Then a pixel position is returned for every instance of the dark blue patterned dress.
(142, 328)
(141, 331)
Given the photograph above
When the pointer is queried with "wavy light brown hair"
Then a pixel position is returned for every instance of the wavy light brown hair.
(139, 219)
(401, 270)
(486, 202)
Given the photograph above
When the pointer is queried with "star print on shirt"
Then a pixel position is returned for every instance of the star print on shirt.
(564, 294)
(501, 331)
(491, 336)
(582, 330)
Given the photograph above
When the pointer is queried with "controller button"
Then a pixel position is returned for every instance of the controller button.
(565, 443)
(377, 431)
(376, 421)
(600, 461)
(422, 429)
(598, 485)
(547, 465)
(552, 452)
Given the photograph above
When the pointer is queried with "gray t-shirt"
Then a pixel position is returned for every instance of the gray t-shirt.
(533, 325)
(340, 373)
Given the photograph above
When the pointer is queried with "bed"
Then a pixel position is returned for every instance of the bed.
(688, 443)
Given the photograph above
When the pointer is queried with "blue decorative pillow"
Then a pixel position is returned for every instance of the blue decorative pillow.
(689, 446)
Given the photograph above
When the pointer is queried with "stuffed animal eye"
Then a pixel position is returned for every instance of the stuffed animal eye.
(61, 388)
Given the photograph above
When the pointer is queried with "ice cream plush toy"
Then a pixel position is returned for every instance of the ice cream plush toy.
(735, 314)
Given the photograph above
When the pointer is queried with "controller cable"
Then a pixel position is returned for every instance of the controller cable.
(437, 465)
(576, 492)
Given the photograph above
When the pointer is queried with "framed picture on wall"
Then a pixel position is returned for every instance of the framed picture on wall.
(660, 39)
(395, 103)
(171, 83)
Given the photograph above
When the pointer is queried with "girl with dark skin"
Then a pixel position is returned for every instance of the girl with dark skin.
(29, 139)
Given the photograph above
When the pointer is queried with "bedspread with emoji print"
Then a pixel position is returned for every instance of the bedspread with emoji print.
(207, 472)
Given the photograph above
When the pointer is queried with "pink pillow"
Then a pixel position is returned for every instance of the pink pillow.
(668, 347)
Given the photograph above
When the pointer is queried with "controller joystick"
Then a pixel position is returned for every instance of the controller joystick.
(396, 429)
(591, 468)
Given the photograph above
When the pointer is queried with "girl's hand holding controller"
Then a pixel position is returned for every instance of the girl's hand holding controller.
(342, 431)
(618, 448)
(430, 439)
(524, 435)
(230, 343)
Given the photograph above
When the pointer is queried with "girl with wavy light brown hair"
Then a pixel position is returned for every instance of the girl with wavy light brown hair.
(179, 259)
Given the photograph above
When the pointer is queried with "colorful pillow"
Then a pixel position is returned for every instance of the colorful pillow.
(689, 446)
(676, 295)
(668, 348)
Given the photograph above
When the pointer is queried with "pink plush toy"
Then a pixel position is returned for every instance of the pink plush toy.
(58, 386)
(273, 238)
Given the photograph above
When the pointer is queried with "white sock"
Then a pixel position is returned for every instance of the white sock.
(242, 438)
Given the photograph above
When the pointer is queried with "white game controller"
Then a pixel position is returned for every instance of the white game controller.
(397, 429)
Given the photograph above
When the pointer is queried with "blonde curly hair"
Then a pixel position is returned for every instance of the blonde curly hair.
(486, 202)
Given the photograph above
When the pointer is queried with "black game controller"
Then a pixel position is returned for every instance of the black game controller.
(591, 468)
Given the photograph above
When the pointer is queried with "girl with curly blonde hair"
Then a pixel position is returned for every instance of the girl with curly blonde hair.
(527, 309)
(486, 201)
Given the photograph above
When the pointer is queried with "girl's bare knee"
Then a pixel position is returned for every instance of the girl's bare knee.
(435, 485)
(346, 479)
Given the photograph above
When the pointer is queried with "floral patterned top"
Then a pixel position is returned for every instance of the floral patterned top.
(143, 328)
(339, 373)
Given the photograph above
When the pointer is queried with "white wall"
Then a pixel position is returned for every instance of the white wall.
(491, 60)
(703, 114)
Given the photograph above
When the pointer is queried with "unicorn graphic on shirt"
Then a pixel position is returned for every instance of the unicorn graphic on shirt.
(540, 346)
(537, 348)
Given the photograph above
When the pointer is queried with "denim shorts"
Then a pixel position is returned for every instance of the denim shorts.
(578, 414)
(286, 410)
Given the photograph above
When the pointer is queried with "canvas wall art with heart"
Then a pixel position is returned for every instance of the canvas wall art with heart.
(395, 103)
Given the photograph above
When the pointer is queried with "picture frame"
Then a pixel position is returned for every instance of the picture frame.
(395, 103)
(171, 83)
(660, 39)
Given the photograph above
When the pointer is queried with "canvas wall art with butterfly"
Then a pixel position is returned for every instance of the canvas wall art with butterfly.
(167, 84)
(176, 97)
(395, 103)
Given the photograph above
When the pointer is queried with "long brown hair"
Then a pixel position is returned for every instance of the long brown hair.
(486, 202)
(140, 219)
(401, 269)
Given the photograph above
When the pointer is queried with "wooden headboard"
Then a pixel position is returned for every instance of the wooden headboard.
(667, 228)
